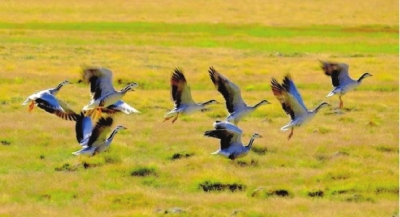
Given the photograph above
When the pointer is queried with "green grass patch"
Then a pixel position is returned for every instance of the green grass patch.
(285, 40)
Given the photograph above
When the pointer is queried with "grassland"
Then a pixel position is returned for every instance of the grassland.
(338, 165)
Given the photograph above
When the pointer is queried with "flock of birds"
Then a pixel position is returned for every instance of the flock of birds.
(94, 123)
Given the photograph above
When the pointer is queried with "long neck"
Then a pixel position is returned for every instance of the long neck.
(258, 104)
(208, 102)
(250, 143)
(362, 77)
(111, 137)
(318, 107)
(55, 90)
(126, 89)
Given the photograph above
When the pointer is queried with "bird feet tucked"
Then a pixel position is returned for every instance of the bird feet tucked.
(176, 118)
(31, 106)
(290, 135)
(167, 118)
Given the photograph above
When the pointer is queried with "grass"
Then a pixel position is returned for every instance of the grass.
(337, 165)
(244, 36)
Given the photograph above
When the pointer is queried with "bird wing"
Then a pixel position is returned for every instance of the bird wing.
(119, 106)
(228, 89)
(100, 131)
(289, 97)
(51, 104)
(83, 129)
(339, 72)
(100, 80)
(180, 91)
(224, 135)
(227, 126)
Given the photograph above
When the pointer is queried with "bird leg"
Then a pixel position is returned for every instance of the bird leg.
(31, 106)
(341, 102)
(167, 118)
(176, 117)
(291, 134)
(97, 113)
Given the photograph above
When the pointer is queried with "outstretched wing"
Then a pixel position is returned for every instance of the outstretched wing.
(119, 106)
(100, 80)
(289, 97)
(224, 135)
(228, 89)
(100, 131)
(51, 104)
(180, 91)
(83, 129)
(339, 72)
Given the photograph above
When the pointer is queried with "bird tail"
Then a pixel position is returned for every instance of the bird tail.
(210, 133)
(26, 101)
(170, 114)
(330, 94)
(286, 127)
(215, 152)
(333, 92)
(85, 150)
(90, 106)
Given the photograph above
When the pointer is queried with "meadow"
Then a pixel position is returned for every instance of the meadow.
(337, 165)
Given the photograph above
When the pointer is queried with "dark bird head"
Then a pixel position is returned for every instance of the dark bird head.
(365, 75)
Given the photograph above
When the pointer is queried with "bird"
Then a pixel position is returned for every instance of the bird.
(46, 100)
(182, 98)
(339, 73)
(119, 106)
(237, 108)
(94, 140)
(101, 88)
(231, 145)
(293, 104)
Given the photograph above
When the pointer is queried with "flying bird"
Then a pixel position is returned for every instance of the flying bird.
(237, 108)
(94, 140)
(339, 73)
(293, 104)
(101, 88)
(119, 106)
(230, 136)
(46, 100)
(182, 98)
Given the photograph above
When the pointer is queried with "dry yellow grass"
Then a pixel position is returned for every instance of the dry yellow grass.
(352, 158)
(279, 13)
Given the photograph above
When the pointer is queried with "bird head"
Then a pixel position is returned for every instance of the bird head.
(120, 128)
(322, 105)
(365, 75)
(256, 135)
(65, 82)
(130, 87)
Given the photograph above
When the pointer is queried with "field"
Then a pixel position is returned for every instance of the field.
(337, 165)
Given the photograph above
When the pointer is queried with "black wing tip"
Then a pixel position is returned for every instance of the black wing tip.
(212, 70)
(208, 133)
(178, 70)
(287, 80)
(287, 77)
(275, 83)
(178, 75)
(105, 121)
